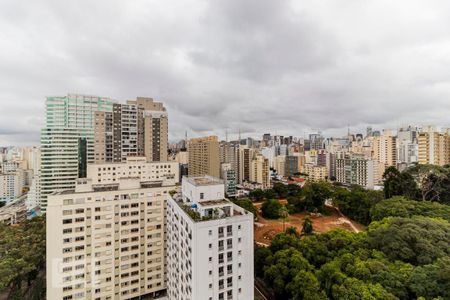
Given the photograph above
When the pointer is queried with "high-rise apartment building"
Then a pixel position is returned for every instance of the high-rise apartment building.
(106, 237)
(385, 149)
(210, 244)
(204, 156)
(260, 171)
(356, 169)
(434, 146)
(137, 128)
(67, 141)
(246, 156)
(82, 130)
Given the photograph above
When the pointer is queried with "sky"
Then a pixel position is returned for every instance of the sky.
(284, 67)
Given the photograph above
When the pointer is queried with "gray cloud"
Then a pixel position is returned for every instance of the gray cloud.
(285, 67)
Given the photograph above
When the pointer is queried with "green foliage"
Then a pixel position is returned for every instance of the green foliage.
(314, 195)
(398, 184)
(399, 258)
(305, 286)
(260, 257)
(357, 202)
(246, 204)
(307, 227)
(402, 207)
(417, 241)
(433, 280)
(270, 194)
(257, 194)
(281, 190)
(281, 270)
(355, 289)
(22, 251)
(291, 230)
(392, 182)
(271, 209)
(420, 182)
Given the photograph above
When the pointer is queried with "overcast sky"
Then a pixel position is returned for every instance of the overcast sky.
(285, 67)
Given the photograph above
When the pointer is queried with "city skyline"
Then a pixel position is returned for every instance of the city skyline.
(303, 67)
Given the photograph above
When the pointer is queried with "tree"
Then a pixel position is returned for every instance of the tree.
(314, 195)
(282, 267)
(261, 254)
(399, 206)
(247, 204)
(293, 189)
(271, 209)
(307, 227)
(270, 194)
(281, 190)
(256, 194)
(22, 252)
(305, 286)
(417, 241)
(433, 280)
(356, 202)
(392, 182)
(291, 230)
(355, 289)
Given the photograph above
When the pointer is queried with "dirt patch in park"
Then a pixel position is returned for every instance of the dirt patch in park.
(266, 229)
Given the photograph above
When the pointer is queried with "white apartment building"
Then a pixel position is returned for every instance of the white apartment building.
(355, 169)
(210, 244)
(11, 185)
(134, 167)
(106, 238)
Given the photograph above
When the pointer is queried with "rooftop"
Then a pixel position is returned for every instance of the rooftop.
(203, 180)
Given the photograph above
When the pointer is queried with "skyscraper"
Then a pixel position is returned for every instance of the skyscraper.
(137, 128)
(82, 130)
(204, 156)
(67, 141)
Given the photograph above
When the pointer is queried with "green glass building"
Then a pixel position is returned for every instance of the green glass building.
(67, 141)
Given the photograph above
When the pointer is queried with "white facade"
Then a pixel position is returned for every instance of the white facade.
(11, 185)
(106, 238)
(134, 167)
(210, 244)
(357, 170)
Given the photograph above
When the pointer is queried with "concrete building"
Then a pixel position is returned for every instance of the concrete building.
(11, 185)
(67, 141)
(204, 156)
(286, 165)
(210, 244)
(434, 146)
(385, 149)
(229, 176)
(279, 164)
(291, 165)
(355, 169)
(137, 128)
(246, 156)
(315, 173)
(82, 130)
(14, 212)
(106, 238)
(260, 171)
